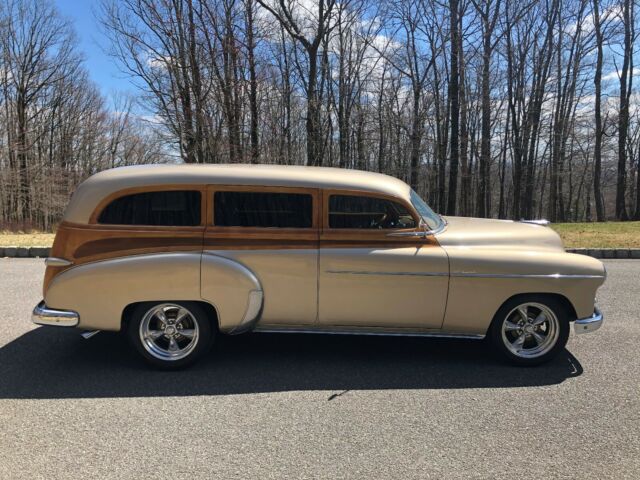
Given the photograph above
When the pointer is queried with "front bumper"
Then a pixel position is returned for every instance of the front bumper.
(43, 315)
(590, 324)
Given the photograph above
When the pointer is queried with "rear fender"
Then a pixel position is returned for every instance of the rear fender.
(99, 291)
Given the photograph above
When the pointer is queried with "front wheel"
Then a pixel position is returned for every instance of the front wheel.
(170, 335)
(530, 330)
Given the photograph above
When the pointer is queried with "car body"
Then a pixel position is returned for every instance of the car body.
(300, 249)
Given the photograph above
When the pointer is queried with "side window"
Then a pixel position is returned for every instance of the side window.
(164, 208)
(352, 211)
(262, 209)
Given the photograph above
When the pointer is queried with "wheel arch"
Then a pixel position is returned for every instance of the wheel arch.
(566, 303)
(128, 310)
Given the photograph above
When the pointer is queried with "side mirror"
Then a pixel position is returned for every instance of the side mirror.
(421, 231)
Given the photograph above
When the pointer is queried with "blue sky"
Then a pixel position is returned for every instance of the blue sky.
(102, 69)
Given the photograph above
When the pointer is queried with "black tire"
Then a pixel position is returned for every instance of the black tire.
(509, 312)
(190, 349)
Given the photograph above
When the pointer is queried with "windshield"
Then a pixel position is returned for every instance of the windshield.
(433, 220)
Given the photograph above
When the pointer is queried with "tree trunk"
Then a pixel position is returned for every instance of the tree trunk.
(253, 82)
(623, 115)
(454, 112)
(597, 167)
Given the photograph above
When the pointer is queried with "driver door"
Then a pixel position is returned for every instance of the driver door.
(371, 277)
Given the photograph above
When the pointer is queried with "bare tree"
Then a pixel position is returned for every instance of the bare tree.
(290, 18)
(597, 80)
(626, 78)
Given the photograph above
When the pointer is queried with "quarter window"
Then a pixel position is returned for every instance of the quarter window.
(352, 211)
(166, 208)
(262, 209)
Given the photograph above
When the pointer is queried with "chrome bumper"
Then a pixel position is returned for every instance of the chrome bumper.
(590, 324)
(43, 315)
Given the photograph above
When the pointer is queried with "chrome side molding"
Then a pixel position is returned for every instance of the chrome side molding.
(367, 331)
(57, 262)
(411, 274)
(542, 221)
(524, 275)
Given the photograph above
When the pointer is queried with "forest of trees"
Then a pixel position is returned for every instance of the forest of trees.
(491, 108)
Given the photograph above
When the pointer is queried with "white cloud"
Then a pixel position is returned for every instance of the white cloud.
(610, 14)
(615, 75)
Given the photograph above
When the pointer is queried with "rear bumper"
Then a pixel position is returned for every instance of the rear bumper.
(590, 324)
(43, 315)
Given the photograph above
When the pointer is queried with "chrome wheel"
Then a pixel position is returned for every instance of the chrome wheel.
(169, 332)
(530, 330)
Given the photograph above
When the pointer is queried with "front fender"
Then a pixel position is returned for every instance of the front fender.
(482, 279)
(99, 291)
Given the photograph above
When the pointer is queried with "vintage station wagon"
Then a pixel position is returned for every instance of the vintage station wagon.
(176, 254)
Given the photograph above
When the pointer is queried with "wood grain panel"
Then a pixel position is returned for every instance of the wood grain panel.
(87, 243)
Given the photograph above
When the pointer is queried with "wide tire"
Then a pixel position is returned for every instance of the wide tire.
(172, 334)
(530, 329)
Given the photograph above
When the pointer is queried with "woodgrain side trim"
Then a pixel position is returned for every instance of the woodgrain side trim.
(85, 243)
(127, 245)
(81, 244)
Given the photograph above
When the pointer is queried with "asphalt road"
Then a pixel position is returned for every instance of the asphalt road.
(292, 406)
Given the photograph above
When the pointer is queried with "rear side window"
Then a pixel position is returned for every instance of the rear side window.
(352, 211)
(262, 209)
(166, 208)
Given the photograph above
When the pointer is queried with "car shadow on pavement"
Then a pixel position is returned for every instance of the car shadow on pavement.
(50, 363)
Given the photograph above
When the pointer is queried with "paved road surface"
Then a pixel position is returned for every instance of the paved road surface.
(289, 406)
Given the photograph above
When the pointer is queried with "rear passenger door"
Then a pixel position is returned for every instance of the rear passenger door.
(273, 231)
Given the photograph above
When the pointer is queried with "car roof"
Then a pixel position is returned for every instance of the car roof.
(93, 190)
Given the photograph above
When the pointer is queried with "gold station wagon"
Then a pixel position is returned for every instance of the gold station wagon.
(175, 254)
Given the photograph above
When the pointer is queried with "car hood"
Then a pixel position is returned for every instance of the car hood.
(464, 231)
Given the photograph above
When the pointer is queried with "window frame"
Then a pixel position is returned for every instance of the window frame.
(106, 201)
(315, 208)
(362, 193)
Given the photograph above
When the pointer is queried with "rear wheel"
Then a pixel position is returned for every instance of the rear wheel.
(170, 334)
(531, 329)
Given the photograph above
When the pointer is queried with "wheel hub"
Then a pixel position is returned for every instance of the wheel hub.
(530, 330)
(170, 331)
